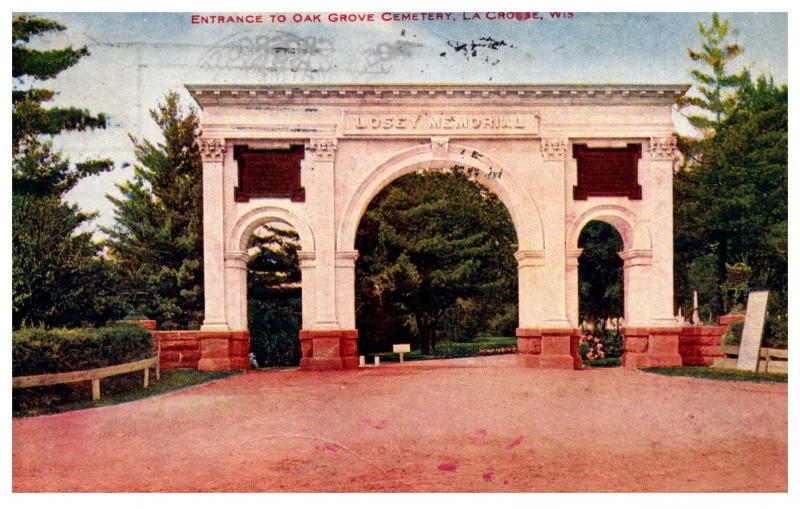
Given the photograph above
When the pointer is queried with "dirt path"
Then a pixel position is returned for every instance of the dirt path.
(479, 424)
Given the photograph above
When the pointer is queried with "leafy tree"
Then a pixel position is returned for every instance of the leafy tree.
(434, 246)
(58, 277)
(157, 238)
(273, 297)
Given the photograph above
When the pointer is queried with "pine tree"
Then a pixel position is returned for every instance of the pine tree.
(157, 238)
(57, 276)
(717, 87)
(36, 168)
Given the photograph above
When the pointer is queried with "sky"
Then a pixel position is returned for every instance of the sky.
(137, 57)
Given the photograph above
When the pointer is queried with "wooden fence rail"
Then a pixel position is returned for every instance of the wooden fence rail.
(95, 375)
(771, 360)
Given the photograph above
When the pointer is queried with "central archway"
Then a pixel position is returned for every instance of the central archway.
(436, 264)
(490, 172)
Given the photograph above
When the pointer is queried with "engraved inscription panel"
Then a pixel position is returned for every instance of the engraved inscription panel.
(433, 123)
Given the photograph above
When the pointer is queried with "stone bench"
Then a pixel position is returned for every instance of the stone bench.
(401, 349)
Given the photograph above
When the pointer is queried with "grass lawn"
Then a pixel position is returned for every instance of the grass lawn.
(608, 362)
(720, 374)
(451, 350)
(114, 391)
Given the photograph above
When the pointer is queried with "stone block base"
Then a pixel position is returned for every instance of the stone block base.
(651, 347)
(328, 349)
(204, 350)
(548, 348)
(701, 345)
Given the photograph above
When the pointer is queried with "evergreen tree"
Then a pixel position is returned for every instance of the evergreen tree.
(731, 192)
(37, 169)
(274, 297)
(600, 272)
(157, 239)
(716, 86)
(57, 276)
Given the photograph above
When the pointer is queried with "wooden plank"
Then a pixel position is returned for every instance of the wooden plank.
(146, 377)
(95, 389)
(80, 376)
(775, 353)
(750, 347)
(730, 350)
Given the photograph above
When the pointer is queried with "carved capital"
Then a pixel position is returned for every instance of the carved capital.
(322, 149)
(554, 149)
(440, 147)
(663, 148)
(212, 149)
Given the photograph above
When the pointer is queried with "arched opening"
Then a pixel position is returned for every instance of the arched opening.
(436, 267)
(601, 295)
(274, 295)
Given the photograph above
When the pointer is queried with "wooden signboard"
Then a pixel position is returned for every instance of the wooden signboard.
(753, 330)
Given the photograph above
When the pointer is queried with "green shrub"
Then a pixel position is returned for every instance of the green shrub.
(734, 335)
(37, 351)
(776, 331)
(274, 331)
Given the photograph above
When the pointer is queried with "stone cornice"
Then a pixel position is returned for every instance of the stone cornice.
(217, 95)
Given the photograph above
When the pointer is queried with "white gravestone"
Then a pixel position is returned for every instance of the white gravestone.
(750, 346)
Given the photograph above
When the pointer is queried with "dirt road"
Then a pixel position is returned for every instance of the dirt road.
(479, 424)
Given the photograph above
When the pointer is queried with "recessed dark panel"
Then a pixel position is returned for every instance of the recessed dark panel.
(608, 171)
(269, 173)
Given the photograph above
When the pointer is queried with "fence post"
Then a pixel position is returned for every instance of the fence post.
(95, 389)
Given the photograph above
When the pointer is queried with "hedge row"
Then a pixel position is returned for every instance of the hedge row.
(37, 351)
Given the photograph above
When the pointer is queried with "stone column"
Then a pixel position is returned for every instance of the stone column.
(660, 211)
(637, 286)
(307, 262)
(213, 153)
(573, 297)
(530, 270)
(236, 289)
(321, 195)
(327, 342)
(538, 346)
(346, 288)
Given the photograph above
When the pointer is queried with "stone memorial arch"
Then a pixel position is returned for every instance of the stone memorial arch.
(558, 156)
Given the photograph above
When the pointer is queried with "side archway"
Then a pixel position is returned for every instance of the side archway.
(635, 235)
(252, 220)
(236, 258)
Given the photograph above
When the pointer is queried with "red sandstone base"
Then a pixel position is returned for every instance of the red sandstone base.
(651, 347)
(548, 348)
(328, 349)
(204, 350)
